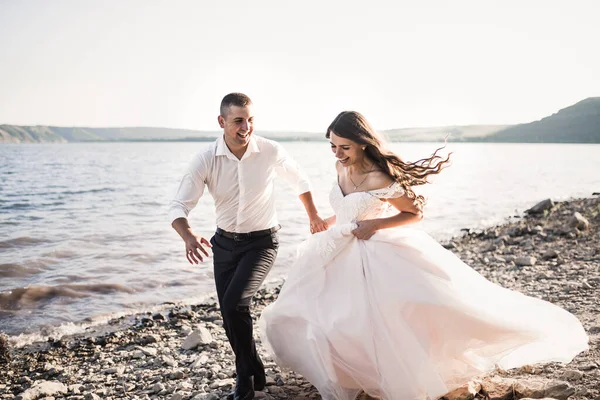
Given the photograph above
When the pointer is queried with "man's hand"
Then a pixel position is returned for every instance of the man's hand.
(194, 244)
(317, 224)
(194, 247)
(365, 229)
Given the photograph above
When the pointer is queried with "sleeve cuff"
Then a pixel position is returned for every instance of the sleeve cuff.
(303, 187)
(175, 212)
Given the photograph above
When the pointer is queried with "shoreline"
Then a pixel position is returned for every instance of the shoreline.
(181, 352)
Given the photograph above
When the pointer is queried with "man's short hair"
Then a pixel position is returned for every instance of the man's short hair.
(234, 99)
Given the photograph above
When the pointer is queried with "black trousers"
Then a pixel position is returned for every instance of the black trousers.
(240, 268)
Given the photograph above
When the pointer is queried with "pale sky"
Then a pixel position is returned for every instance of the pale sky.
(400, 63)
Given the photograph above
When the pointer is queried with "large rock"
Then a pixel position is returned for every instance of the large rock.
(199, 362)
(540, 207)
(579, 222)
(525, 261)
(466, 392)
(196, 338)
(43, 389)
(499, 388)
(572, 375)
(549, 254)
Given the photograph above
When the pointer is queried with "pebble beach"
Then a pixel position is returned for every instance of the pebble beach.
(551, 252)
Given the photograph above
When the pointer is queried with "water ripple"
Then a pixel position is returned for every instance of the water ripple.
(17, 271)
(23, 241)
(35, 296)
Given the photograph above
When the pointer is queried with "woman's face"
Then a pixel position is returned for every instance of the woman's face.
(346, 151)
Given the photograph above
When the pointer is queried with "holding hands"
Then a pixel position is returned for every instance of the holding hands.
(317, 224)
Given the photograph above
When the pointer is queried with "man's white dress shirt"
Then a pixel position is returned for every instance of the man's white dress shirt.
(242, 189)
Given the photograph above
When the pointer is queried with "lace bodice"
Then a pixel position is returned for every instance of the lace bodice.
(358, 206)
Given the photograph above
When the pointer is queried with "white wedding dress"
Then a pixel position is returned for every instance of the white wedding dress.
(399, 316)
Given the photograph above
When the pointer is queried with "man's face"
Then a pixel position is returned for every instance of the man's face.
(238, 125)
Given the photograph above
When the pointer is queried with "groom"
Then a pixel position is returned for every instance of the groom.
(239, 169)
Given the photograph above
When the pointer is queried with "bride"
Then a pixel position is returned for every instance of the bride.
(372, 305)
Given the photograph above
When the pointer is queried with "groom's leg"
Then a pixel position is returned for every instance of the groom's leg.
(257, 259)
(225, 265)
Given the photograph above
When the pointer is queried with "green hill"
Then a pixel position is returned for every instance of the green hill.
(579, 123)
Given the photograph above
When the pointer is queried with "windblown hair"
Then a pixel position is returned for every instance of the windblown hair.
(234, 99)
(353, 126)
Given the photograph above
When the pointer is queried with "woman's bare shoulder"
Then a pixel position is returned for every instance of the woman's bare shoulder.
(379, 180)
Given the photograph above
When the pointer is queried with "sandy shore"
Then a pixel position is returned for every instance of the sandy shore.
(182, 353)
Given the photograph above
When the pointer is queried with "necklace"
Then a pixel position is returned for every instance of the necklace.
(361, 182)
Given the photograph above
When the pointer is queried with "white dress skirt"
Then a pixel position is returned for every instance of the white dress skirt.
(399, 316)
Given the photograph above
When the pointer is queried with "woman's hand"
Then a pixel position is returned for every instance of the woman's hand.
(365, 229)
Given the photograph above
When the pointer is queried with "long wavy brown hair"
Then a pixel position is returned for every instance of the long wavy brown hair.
(354, 126)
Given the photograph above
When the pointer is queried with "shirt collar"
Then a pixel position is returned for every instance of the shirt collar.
(223, 150)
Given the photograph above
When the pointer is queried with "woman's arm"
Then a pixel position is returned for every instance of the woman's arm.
(409, 213)
(330, 220)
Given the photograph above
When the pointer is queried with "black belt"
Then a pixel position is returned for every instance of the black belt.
(238, 237)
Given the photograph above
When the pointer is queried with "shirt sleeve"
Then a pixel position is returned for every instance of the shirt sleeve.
(190, 189)
(291, 172)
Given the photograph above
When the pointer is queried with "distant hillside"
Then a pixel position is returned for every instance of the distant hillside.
(56, 134)
(29, 134)
(48, 134)
(579, 123)
(463, 133)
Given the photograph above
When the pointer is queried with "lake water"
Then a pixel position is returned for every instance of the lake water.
(84, 232)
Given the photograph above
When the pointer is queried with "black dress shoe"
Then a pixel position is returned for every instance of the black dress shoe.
(244, 389)
(260, 379)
